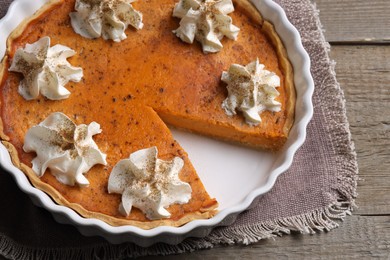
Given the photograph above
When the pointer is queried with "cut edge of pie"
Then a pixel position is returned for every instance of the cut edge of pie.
(203, 213)
(270, 143)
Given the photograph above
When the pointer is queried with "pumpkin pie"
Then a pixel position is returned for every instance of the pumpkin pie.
(137, 86)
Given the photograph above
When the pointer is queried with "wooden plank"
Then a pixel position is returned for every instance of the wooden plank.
(360, 238)
(355, 21)
(363, 73)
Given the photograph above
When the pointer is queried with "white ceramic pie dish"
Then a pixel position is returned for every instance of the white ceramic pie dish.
(236, 176)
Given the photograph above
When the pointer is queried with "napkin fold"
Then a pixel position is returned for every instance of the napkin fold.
(313, 195)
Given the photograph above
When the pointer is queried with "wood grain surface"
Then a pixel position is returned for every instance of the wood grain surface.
(359, 32)
(355, 21)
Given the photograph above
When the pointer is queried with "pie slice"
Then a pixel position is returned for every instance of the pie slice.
(133, 89)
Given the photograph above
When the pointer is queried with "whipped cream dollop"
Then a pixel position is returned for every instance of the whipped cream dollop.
(106, 18)
(68, 150)
(207, 21)
(45, 70)
(251, 90)
(148, 183)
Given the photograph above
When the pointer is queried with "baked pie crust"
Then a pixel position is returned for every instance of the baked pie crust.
(133, 89)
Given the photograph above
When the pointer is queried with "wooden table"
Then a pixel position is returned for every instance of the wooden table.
(359, 33)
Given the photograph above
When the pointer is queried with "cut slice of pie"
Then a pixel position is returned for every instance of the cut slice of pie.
(135, 87)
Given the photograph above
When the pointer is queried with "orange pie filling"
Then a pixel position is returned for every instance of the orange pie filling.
(136, 86)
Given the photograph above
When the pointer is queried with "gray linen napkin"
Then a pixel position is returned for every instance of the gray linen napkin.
(318, 189)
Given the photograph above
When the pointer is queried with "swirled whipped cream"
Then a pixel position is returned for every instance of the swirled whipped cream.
(45, 70)
(251, 90)
(148, 183)
(106, 18)
(68, 150)
(207, 21)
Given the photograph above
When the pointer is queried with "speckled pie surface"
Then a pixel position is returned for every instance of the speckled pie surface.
(133, 88)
